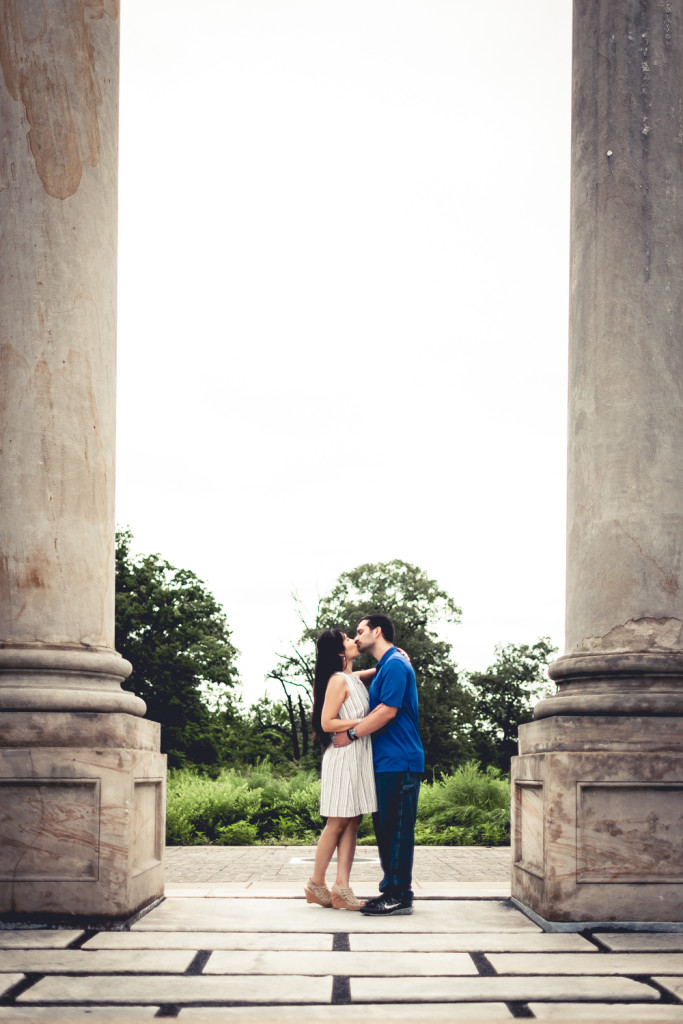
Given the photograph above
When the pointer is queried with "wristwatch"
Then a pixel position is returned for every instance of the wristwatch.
(351, 733)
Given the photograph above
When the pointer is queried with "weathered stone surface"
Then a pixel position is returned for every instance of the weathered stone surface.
(209, 940)
(587, 963)
(597, 835)
(660, 735)
(340, 963)
(480, 943)
(29, 938)
(236, 915)
(67, 1014)
(78, 730)
(595, 1013)
(59, 111)
(82, 830)
(642, 942)
(488, 1013)
(70, 961)
(415, 990)
(625, 500)
(155, 990)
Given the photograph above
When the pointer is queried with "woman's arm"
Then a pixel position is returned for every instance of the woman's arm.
(365, 675)
(335, 695)
(372, 722)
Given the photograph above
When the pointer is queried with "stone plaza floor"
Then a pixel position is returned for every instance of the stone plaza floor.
(235, 941)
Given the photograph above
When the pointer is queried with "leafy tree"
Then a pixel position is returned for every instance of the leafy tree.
(504, 697)
(176, 636)
(418, 607)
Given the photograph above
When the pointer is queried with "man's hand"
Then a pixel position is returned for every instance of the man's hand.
(341, 740)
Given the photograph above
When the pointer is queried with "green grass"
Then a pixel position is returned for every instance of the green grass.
(258, 806)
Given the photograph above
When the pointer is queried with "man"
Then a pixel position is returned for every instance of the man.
(398, 761)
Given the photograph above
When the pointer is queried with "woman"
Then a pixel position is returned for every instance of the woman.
(347, 786)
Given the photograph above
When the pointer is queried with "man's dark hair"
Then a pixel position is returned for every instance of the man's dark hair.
(385, 624)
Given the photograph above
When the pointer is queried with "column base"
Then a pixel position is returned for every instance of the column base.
(597, 830)
(82, 813)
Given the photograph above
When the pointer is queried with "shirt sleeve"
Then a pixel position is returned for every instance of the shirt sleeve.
(392, 686)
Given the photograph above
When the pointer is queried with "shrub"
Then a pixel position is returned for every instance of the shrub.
(256, 806)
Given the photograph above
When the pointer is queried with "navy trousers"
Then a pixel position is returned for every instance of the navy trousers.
(394, 822)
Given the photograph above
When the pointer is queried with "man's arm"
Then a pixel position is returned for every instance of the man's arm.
(376, 720)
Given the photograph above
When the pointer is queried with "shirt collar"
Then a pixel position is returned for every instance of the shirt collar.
(385, 657)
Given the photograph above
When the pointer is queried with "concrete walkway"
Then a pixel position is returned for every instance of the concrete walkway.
(234, 941)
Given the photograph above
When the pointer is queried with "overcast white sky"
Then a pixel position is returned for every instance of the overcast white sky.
(343, 291)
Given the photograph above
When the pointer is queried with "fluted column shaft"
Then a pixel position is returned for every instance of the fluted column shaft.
(58, 216)
(624, 624)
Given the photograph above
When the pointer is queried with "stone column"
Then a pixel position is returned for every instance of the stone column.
(598, 786)
(81, 779)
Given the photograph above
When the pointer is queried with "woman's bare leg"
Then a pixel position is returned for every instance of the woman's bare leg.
(327, 844)
(346, 850)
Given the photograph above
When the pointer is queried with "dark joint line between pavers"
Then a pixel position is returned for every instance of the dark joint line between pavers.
(340, 942)
(485, 968)
(341, 990)
(595, 939)
(27, 982)
(518, 1010)
(198, 962)
(666, 997)
(80, 941)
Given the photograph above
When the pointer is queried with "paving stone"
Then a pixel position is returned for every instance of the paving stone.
(209, 940)
(35, 938)
(256, 915)
(402, 1013)
(66, 1014)
(433, 865)
(595, 1012)
(642, 942)
(8, 980)
(341, 963)
(587, 963)
(477, 943)
(67, 961)
(462, 890)
(505, 989)
(155, 990)
(673, 985)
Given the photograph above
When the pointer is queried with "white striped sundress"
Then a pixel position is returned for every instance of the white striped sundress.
(347, 783)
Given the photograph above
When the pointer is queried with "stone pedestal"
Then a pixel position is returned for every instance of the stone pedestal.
(81, 779)
(597, 822)
(598, 785)
(81, 814)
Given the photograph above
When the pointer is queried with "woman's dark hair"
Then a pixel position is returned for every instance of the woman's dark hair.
(330, 645)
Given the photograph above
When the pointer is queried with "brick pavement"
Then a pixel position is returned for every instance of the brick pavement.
(484, 870)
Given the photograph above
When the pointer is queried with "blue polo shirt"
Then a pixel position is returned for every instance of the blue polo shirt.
(397, 747)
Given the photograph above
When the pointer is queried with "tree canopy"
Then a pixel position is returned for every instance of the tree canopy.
(175, 634)
(172, 630)
(418, 607)
(504, 697)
